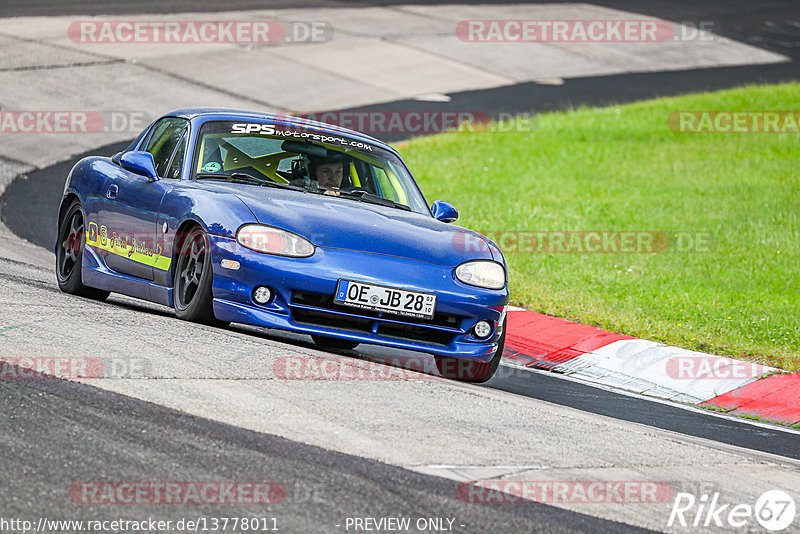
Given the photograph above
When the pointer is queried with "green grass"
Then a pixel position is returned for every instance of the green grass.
(621, 168)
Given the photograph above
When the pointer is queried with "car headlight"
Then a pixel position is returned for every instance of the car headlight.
(482, 273)
(271, 240)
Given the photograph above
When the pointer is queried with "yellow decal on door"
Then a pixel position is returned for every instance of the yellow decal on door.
(139, 251)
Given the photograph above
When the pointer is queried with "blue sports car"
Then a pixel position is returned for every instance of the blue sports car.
(275, 221)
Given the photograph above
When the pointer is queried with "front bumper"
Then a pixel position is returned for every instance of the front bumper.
(303, 290)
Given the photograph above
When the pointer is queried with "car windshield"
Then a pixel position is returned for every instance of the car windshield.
(305, 160)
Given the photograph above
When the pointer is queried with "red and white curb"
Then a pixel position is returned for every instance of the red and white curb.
(648, 368)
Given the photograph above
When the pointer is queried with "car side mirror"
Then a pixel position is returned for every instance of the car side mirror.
(444, 211)
(115, 157)
(139, 162)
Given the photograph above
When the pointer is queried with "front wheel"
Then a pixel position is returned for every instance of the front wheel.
(193, 277)
(69, 255)
(470, 370)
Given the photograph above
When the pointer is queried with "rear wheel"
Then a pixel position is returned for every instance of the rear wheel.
(69, 255)
(334, 343)
(193, 277)
(470, 370)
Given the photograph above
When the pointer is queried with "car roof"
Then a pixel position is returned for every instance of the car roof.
(208, 114)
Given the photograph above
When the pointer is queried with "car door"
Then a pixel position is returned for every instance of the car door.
(132, 203)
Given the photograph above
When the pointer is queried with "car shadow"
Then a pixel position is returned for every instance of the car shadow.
(399, 363)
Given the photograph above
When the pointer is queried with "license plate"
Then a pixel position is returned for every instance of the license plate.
(382, 298)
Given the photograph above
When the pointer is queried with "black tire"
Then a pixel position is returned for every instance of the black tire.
(69, 254)
(192, 295)
(334, 343)
(470, 370)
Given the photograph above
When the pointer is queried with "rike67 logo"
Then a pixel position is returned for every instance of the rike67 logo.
(775, 511)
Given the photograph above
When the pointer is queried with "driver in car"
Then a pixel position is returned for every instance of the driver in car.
(329, 173)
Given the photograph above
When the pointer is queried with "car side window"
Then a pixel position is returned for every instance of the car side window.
(176, 165)
(166, 134)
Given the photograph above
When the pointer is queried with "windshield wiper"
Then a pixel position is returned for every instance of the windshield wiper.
(366, 196)
(243, 177)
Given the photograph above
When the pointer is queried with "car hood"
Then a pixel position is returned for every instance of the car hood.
(349, 224)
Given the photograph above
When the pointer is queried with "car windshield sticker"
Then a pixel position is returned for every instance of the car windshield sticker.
(211, 166)
(293, 132)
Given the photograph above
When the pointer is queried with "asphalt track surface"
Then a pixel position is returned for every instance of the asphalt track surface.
(29, 208)
(100, 435)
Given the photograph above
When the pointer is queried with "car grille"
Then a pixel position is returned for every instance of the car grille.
(320, 310)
